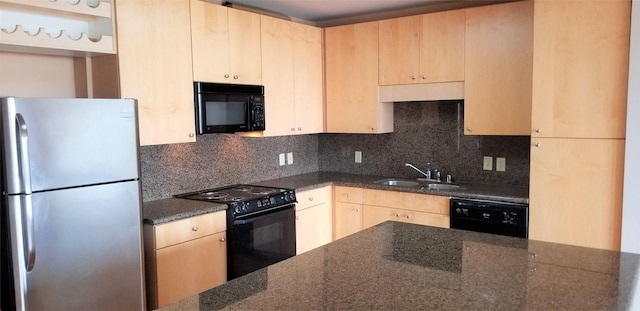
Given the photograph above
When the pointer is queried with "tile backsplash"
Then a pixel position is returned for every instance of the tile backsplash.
(429, 132)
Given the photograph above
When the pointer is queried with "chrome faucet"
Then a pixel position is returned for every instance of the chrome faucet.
(427, 175)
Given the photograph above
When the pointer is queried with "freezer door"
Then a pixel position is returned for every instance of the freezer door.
(87, 249)
(62, 143)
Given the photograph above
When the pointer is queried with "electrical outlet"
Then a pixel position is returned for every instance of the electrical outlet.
(487, 163)
(289, 158)
(358, 156)
(281, 159)
(501, 164)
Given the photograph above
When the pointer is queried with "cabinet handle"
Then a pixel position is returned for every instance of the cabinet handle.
(235, 77)
(537, 145)
(222, 239)
(357, 209)
(226, 75)
(191, 135)
(408, 216)
(468, 129)
(194, 229)
(310, 199)
(424, 77)
(538, 131)
(299, 129)
(397, 215)
(413, 77)
(347, 195)
(293, 129)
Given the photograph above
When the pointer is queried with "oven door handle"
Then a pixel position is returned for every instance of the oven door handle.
(249, 218)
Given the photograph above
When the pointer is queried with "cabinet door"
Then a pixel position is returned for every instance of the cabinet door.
(348, 219)
(313, 227)
(498, 69)
(373, 215)
(244, 47)
(576, 191)
(189, 268)
(581, 59)
(210, 42)
(308, 82)
(351, 77)
(154, 55)
(277, 76)
(442, 46)
(399, 48)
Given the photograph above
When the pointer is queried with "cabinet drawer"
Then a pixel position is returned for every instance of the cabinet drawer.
(313, 197)
(190, 228)
(408, 201)
(373, 215)
(348, 195)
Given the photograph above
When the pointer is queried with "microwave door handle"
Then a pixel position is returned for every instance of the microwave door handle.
(26, 208)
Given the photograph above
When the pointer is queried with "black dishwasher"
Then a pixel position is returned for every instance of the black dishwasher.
(504, 218)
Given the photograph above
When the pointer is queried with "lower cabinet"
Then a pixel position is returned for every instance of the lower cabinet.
(184, 257)
(347, 211)
(313, 219)
(423, 209)
(356, 209)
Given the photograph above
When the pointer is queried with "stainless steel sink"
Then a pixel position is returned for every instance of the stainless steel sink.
(397, 182)
(442, 186)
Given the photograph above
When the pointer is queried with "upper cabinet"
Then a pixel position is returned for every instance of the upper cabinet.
(225, 43)
(78, 28)
(154, 65)
(351, 81)
(422, 49)
(581, 66)
(498, 69)
(292, 77)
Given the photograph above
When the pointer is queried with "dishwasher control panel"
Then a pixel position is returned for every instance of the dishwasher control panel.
(495, 217)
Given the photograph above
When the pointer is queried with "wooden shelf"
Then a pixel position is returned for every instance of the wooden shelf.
(81, 7)
(57, 27)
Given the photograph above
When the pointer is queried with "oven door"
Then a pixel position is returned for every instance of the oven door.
(259, 240)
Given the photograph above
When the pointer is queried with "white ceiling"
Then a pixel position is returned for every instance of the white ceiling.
(322, 10)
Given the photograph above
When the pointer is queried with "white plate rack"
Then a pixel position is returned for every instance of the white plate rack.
(57, 27)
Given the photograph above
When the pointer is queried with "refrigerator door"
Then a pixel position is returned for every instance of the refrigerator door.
(64, 143)
(87, 249)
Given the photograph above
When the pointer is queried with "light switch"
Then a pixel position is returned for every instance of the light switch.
(501, 164)
(487, 164)
(281, 159)
(358, 156)
(289, 158)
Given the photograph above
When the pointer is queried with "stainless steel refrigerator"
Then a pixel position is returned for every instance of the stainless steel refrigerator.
(71, 208)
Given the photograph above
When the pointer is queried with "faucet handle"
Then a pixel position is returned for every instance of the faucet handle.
(437, 173)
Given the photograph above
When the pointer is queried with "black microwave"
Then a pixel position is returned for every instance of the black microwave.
(228, 108)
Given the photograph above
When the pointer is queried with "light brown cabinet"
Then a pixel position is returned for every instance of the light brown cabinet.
(225, 44)
(581, 66)
(347, 210)
(576, 191)
(498, 69)
(422, 48)
(184, 257)
(423, 209)
(351, 80)
(154, 67)
(314, 219)
(581, 54)
(292, 76)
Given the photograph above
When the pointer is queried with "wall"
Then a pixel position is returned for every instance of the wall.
(427, 132)
(631, 199)
(222, 159)
(32, 75)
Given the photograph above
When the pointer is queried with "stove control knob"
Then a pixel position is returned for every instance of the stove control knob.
(292, 197)
(236, 210)
(244, 207)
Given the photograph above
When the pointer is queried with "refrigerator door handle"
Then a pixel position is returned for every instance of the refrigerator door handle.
(26, 210)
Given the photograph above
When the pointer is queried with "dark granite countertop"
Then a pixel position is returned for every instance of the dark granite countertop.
(398, 266)
(165, 210)
(476, 191)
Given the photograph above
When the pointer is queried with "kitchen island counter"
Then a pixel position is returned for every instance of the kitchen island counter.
(402, 266)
